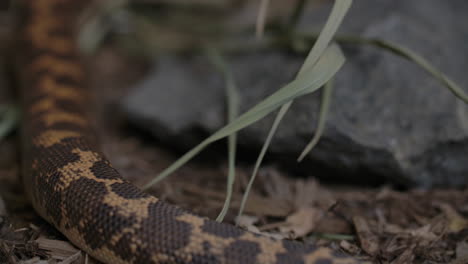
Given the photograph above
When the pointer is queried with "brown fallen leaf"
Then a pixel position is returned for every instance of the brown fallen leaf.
(302, 222)
(248, 222)
(456, 221)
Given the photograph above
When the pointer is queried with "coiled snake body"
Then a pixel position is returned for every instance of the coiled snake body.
(74, 187)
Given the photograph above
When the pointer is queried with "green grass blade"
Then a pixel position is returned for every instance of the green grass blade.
(326, 68)
(408, 54)
(324, 107)
(426, 65)
(339, 10)
(232, 139)
(232, 98)
(329, 64)
(278, 119)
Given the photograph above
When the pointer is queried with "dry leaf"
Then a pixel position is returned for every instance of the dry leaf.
(302, 222)
(247, 222)
(456, 221)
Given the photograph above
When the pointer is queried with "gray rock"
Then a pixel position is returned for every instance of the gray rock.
(389, 119)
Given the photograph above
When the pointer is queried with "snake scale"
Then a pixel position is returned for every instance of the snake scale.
(74, 187)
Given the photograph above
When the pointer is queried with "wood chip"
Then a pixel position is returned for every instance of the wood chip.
(58, 249)
(406, 257)
(369, 241)
(350, 248)
(35, 260)
(75, 258)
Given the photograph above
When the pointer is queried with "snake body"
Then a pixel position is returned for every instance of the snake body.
(74, 187)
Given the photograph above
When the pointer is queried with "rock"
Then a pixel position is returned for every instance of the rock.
(389, 120)
(179, 97)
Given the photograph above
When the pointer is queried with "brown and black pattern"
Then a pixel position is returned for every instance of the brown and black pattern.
(73, 186)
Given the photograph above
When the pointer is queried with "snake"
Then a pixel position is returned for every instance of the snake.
(73, 186)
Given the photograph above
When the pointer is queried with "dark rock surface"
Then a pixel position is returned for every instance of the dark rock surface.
(388, 118)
